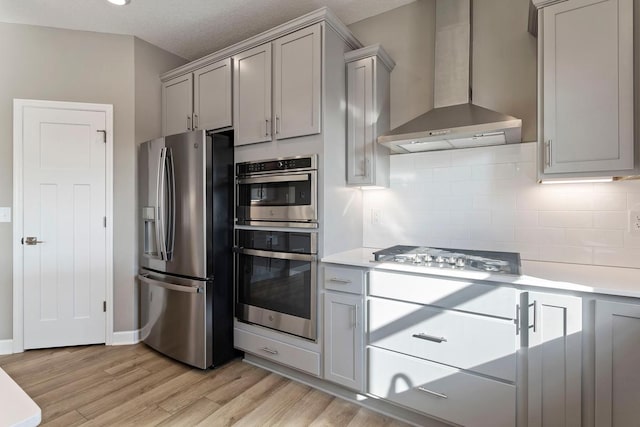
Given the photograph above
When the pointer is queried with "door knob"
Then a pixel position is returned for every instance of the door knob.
(32, 241)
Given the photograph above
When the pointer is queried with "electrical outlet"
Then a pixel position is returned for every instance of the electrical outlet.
(634, 222)
(376, 216)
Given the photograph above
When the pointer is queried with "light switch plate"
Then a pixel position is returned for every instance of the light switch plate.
(634, 222)
(5, 214)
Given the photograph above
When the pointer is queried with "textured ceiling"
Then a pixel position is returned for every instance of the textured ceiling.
(188, 28)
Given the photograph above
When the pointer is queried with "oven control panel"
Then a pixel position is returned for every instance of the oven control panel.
(277, 165)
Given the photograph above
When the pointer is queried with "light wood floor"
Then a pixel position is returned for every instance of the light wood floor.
(134, 385)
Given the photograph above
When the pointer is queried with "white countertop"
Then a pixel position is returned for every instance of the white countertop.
(572, 277)
(17, 409)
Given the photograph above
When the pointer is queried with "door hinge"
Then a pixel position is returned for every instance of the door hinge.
(104, 222)
(104, 135)
(22, 241)
(104, 306)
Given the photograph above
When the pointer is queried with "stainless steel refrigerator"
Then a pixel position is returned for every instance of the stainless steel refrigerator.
(186, 207)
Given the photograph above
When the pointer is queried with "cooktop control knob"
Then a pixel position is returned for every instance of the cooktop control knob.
(460, 262)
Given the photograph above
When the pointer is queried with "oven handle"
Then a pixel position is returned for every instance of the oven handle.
(275, 178)
(278, 255)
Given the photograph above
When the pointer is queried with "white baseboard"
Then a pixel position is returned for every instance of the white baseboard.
(125, 337)
(6, 346)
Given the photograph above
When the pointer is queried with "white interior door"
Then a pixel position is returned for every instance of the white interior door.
(64, 211)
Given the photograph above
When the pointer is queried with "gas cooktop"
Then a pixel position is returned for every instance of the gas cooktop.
(459, 259)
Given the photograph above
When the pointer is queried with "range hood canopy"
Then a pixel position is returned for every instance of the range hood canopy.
(456, 126)
(455, 122)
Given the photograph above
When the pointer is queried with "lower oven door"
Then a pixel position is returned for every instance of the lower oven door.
(277, 290)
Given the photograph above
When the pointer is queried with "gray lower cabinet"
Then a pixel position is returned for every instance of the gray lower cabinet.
(344, 332)
(617, 345)
(344, 321)
(554, 359)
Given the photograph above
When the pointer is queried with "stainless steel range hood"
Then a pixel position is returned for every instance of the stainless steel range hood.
(455, 122)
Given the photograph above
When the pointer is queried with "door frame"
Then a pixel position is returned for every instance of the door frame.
(18, 208)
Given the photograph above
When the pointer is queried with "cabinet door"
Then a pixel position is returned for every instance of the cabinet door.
(360, 123)
(588, 86)
(555, 360)
(344, 340)
(252, 95)
(297, 72)
(212, 96)
(617, 373)
(177, 105)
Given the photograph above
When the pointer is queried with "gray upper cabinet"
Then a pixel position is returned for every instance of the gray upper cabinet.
(252, 95)
(212, 96)
(586, 65)
(198, 100)
(368, 104)
(295, 93)
(177, 105)
(296, 96)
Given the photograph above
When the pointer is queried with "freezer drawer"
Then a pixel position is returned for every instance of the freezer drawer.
(176, 317)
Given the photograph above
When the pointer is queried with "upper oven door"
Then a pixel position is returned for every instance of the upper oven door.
(285, 197)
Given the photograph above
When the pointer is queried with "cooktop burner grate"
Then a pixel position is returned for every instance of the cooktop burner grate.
(461, 259)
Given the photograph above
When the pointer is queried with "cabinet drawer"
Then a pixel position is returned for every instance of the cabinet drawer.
(344, 279)
(468, 341)
(458, 294)
(441, 391)
(277, 351)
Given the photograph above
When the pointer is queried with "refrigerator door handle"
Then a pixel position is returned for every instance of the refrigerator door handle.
(160, 204)
(171, 192)
(170, 286)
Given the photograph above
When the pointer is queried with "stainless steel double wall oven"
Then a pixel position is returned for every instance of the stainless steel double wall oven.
(276, 270)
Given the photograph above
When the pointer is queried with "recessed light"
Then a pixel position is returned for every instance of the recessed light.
(119, 2)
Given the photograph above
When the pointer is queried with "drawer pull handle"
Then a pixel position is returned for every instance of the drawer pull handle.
(429, 338)
(433, 393)
(337, 280)
(268, 350)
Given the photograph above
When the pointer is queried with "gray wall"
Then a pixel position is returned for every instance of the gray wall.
(62, 65)
(408, 34)
(504, 58)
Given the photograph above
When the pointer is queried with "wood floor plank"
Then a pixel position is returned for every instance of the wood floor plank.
(96, 386)
(305, 410)
(211, 380)
(130, 390)
(338, 413)
(243, 404)
(192, 414)
(70, 419)
(275, 406)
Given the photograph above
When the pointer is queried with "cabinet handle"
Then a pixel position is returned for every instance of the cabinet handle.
(266, 127)
(429, 337)
(356, 323)
(268, 350)
(433, 393)
(277, 125)
(548, 153)
(188, 122)
(342, 281)
(535, 315)
(196, 122)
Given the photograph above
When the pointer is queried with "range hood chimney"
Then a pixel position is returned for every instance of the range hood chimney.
(455, 122)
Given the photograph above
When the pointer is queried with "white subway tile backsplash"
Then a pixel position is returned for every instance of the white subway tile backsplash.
(633, 201)
(618, 257)
(571, 254)
(494, 171)
(488, 198)
(610, 220)
(609, 201)
(541, 236)
(567, 219)
(595, 237)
